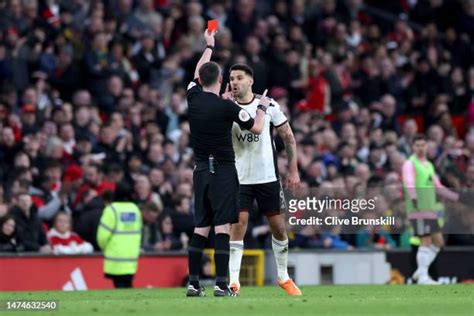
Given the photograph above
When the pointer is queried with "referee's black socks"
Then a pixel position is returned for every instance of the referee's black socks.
(195, 249)
(221, 258)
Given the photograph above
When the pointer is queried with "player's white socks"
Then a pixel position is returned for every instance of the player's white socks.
(280, 250)
(423, 260)
(424, 257)
(433, 253)
(235, 259)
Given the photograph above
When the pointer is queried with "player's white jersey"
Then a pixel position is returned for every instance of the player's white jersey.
(254, 154)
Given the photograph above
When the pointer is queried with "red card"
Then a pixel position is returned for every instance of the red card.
(212, 25)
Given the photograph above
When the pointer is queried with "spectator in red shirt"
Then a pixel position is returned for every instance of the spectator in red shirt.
(94, 185)
(64, 240)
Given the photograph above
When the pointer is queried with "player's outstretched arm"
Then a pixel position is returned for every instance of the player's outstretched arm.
(286, 134)
(206, 55)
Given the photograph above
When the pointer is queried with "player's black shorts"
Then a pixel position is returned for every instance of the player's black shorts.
(269, 196)
(215, 195)
(423, 226)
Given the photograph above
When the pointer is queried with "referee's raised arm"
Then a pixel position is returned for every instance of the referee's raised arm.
(206, 55)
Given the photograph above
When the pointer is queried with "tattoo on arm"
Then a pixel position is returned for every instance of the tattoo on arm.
(289, 152)
(288, 138)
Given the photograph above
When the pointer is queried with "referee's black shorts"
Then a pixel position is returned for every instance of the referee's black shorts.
(215, 195)
(269, 196)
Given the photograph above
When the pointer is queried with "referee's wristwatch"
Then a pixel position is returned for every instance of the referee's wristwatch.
(210, 47)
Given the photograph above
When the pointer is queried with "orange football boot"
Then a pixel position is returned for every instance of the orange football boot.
(290, 287)
(235, 287)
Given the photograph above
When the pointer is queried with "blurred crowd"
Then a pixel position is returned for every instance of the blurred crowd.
(92, 96)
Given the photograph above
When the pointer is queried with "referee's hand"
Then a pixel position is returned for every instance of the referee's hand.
(209, 37)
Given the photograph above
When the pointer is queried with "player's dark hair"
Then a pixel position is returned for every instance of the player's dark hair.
(418, 137)
(209, 73)
(246, 69)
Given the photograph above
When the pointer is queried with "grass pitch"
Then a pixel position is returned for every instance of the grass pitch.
(317, 300)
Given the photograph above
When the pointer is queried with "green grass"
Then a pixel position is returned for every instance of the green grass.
(317, 300)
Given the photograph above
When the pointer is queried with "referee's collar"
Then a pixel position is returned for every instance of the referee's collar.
(247, 103)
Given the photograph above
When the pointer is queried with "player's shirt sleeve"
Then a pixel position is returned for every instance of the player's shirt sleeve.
(408, 176)
(278, 118)
(193, 89)
(239, 115)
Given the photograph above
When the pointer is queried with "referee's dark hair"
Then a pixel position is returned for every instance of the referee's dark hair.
(246, 69)
(209, 73)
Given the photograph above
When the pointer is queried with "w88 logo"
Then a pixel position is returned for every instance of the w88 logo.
(249, 137)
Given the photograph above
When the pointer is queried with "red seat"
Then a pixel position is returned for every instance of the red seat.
(459, 121)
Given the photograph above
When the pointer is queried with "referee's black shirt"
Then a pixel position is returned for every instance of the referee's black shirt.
(210, 120)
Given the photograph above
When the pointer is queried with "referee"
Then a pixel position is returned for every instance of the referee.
(215, 178)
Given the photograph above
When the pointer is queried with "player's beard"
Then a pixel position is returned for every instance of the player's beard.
(242, 93)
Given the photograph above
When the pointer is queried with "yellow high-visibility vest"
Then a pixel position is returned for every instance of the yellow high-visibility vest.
(119, 237)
